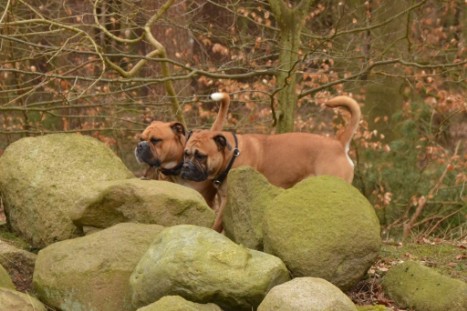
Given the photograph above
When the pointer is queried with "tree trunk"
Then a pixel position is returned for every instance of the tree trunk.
(290, 20)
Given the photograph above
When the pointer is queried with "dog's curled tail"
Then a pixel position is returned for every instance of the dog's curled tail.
(224, 98)
(355, 114)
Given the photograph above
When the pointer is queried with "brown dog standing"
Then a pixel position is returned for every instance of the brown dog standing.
(162, 144)
(284, 159)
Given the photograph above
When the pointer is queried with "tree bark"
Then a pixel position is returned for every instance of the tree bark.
(290, 20)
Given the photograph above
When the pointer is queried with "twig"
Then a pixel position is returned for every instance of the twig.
(5, 12)
(436, 225)
(422, 201)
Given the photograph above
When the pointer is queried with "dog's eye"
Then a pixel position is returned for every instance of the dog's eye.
(200, 156)
(186, 153)
(155, 140)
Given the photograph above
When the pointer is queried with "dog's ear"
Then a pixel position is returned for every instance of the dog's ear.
(220, 141)
(178, 128)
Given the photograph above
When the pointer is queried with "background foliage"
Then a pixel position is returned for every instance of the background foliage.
(108, 67)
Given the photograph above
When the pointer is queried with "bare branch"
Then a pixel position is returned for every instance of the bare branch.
(43, 20)
(108, 33)
(367, 70)
(5, 12)
(408, 226)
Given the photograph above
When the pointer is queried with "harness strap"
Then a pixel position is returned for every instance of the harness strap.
(236, 152)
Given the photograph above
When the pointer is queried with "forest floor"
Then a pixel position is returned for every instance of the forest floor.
(447, 257)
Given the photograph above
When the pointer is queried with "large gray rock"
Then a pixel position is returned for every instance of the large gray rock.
(5, 279)
(323, 227)
(178, 303)
(19, 264)
(143, 201)
(306, 294)
(204, 266)
(11, 300)
(421, 288)
(42, 177)
(249, 193)
(92, 272)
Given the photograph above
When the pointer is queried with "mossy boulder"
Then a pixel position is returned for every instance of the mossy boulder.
(5, 279)
(11, 300)
(92, 272)
(42, 177)
(443, 254)
(323, 227)
(178, 303)
(19, 263)
(415, 286)
(143, 201)
(249, 193)
(373, 308)
(306, 294)
(204, 266)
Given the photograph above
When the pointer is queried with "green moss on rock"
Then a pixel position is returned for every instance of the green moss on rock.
(92, 272)
(42, 177)
(443, 253)
(178, 303)
(143, 201)
(372, 308)
(306, 294)
(323, 227)
(249, 194)
(11, 300)
(204, 266)
(5, 279)
(413, 285)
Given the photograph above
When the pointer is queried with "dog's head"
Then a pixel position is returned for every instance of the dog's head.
(205, 156)
(161, 144)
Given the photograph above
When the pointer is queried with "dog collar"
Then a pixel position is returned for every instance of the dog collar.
(172, 171)
(236, 152)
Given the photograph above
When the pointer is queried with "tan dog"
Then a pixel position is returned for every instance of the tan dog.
(162, 144)
(284, 159)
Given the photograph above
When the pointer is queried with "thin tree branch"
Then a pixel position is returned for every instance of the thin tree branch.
(422, 201)
(376, 64)
(5, 12)
(43, 20)
(108, 33)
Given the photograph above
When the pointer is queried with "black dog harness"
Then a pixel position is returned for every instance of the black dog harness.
(222, 176)
(236, 152)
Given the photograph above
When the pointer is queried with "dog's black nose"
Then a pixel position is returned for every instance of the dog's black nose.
(186, 170)
(141, 145)
(185, 166)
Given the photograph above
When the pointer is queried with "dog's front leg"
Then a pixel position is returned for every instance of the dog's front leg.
(150, 173)
(220, 202)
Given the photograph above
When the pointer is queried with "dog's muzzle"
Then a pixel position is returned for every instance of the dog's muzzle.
(144, 154)
(192, 172)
